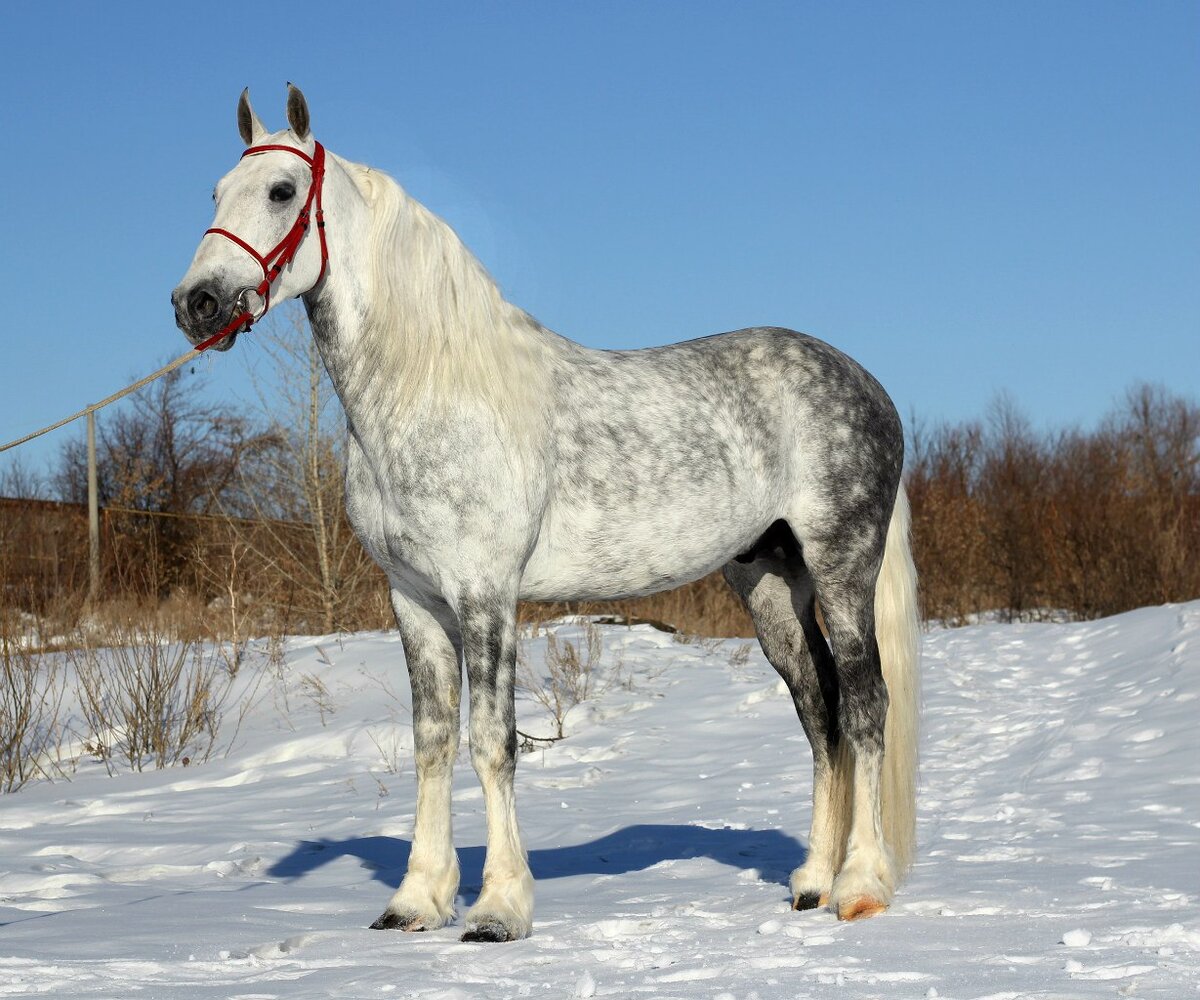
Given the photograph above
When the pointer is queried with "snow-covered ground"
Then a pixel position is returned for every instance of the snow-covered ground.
(1060, 837)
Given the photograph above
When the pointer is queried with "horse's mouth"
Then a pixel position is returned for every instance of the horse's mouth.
(226, 342)
(240, 308)
(201, 325)
(197, 337)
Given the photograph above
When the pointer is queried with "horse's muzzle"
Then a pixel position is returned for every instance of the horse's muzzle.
(201, 311)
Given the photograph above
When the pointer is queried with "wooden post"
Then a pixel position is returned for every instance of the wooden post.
(93, 513)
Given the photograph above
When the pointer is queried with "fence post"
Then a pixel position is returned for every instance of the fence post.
(93, 513)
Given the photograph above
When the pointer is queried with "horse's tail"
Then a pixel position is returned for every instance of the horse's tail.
(897, 630)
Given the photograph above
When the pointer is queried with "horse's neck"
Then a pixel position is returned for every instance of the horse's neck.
(408, 322)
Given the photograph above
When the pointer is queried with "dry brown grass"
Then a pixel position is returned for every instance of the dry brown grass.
(705, 607)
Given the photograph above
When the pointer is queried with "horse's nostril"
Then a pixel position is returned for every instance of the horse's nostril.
(202, 304)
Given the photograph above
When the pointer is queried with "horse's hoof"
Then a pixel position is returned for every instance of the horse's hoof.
(398, 922)
(859, 908)
(490, 931)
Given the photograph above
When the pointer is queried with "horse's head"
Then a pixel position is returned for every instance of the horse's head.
(257, 252)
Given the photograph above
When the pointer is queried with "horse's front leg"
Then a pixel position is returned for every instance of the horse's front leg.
(504, 910)
(425, 899)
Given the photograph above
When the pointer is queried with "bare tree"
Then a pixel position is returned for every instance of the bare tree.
(171, 453)
(291, 486)
(18, 480)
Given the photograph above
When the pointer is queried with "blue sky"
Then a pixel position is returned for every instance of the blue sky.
(969, 198)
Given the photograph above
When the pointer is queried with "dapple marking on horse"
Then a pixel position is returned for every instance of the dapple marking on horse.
(490, 459)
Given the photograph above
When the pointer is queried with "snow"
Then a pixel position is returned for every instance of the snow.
(1059, 834)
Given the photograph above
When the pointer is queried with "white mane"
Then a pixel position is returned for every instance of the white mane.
(438, 319)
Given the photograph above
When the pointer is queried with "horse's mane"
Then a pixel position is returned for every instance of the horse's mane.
(438, 319)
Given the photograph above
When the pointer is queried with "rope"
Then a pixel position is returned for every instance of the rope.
(183, 359)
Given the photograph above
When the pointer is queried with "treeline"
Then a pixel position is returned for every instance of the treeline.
(232, 522)
(1086, 523)
(230, 517)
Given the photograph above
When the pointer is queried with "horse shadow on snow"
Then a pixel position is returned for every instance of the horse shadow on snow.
(633, 848)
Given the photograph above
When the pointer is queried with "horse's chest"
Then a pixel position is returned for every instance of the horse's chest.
(402, 518)
(438, 512)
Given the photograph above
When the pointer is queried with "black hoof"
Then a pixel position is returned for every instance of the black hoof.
(488, 932)
(807, 901)
(395, 922)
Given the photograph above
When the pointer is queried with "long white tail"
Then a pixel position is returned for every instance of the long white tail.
(897, 630)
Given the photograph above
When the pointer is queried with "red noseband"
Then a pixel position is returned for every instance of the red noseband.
(273, 262)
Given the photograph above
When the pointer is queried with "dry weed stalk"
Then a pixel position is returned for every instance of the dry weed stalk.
(570, 676)
(318, 693)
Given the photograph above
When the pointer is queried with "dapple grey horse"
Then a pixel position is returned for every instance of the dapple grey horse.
(490, 459)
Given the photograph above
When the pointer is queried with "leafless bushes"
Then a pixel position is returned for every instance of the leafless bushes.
(568, 675)
(149, 702)
(126, 696)
(1087, 523)
(31, 694)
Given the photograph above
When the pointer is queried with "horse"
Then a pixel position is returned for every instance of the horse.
(491, 460)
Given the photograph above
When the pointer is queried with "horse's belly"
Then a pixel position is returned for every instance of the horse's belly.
(597, 554)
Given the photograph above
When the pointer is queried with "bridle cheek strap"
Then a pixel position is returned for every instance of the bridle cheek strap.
(282, 254)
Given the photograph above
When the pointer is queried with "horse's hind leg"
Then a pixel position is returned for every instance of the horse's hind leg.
(425, 899)
(777, 590)
(844, 575)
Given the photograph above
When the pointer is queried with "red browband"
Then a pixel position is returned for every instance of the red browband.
(281, 255)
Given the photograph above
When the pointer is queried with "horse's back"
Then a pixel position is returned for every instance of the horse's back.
(667, 461)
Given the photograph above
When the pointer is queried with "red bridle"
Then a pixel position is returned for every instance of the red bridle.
(273, 262)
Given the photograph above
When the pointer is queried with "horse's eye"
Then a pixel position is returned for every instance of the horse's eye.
(283, 191)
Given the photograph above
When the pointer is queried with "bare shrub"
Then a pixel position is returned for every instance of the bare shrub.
(739, 656)
(150, 701)
(1091, 523)
(947, 519)
(316, 691)
(391, 750)
(569, 675)
(1012, 494)
(31, 695)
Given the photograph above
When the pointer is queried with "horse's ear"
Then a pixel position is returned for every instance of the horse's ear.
(249, 126)
(297, 112)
